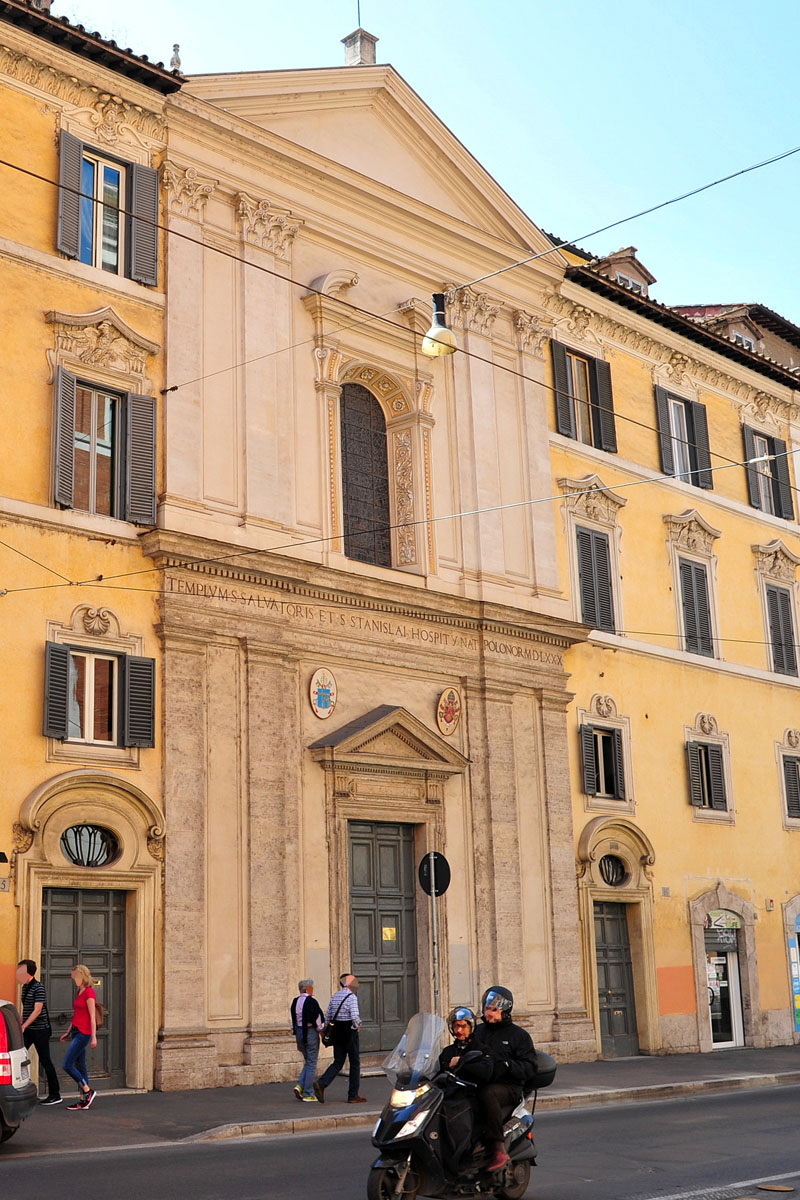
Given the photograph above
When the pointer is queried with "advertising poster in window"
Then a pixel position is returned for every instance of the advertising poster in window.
(794, 967)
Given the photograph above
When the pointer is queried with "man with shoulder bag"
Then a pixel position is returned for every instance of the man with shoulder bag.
(342, 1023)
(36, 1028)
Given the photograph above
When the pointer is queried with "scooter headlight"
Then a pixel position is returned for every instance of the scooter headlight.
(400, 1098)
(411, 1127)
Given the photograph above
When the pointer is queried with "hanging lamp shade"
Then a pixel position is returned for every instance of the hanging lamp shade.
(439, 339)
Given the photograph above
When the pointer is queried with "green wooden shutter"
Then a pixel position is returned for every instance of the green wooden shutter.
(716, 772)
(588, 760)
(565, 408)
(781, 631)
(594, 579)
(664, 433)
(752, 474)
(70, 158)
(695, 774)
(586, 579)
(143, 224)
(782, 489)
(140, 459)
(64, 438)
(56, 690)
(619, 766)
(603, 401)
(696, 610)
(699, 453)
(138, 701)
(791, 778)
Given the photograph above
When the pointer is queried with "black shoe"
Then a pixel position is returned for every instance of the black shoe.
(51, 1100)
(88, 1097)
(319, 1091)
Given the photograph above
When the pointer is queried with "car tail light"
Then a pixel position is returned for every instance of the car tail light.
(5, 1056)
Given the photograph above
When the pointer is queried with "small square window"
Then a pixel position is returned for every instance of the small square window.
(603, 769)
(707, 776)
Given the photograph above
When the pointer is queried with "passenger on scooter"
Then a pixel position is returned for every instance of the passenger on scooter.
(461, 1022)
(513, 1058)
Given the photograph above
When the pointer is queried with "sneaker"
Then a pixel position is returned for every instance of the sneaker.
(88, 1098)
(319, 1091)
(309, 1099)
(51, 1100)
(298, 1091)
(79, 1104)
(499, 1160)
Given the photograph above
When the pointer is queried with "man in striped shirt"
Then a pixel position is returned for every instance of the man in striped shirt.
(36, 1027)
(343, 1011)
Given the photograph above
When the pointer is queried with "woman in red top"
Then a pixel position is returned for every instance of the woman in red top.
(83, 1033)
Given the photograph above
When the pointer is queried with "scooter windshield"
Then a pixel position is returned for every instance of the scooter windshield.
(416, 1055)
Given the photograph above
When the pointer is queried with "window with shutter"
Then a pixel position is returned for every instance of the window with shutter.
(105, 451)
(683, 439)
(791, 779)
(97, 698)
(594, 578)
(707, 776)
(602, 762)
(584, 399)
(767, 466)
(107, 211)
(697, 629)
(781, 630)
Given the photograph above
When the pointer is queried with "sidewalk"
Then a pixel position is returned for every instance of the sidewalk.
(129, 1118)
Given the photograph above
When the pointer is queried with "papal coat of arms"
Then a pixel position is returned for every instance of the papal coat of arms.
(448, 711)
(322, 693)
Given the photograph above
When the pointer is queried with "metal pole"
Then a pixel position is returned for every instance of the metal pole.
(435, 927)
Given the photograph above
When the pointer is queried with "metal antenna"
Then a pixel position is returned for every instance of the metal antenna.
(358, 5)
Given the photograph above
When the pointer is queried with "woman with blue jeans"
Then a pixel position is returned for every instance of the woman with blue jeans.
(83, 1033)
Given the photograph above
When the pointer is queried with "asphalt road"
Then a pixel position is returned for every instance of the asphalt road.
(717, 1147)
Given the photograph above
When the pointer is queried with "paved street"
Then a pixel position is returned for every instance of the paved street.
(702, 1147)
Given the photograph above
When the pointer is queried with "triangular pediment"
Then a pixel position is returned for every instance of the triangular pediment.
(368, 120)
(391, 737)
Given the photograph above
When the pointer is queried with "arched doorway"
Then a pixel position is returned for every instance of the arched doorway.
(104, 906)
(726, 970)
(615, 899)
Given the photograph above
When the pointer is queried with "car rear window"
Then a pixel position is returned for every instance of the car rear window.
(8, 1016)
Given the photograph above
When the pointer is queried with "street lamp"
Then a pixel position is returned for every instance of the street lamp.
(439, 340)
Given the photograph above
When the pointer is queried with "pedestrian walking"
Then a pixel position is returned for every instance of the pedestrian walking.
(343, 1012)
(306, 1027)
(36, 1027)
(82, 1033)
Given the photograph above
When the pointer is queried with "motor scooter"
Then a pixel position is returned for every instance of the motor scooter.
(419, 1153)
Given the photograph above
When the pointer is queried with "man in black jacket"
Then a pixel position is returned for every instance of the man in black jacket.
(513, 1056)
(306, 1025)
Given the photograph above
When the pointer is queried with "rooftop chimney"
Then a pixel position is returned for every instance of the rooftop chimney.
(359, 49)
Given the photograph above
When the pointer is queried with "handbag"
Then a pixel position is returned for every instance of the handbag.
(326, 1037)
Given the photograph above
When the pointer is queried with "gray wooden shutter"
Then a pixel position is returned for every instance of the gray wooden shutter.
(56, 688)
(752, 474)
(781, 631)
(702, 475)
(696, 611)
(68, 235)
(138, 701)
(782, 490)
(603, 411)
(64, 438)
(695, 774)
(602, 575)
(716, 773)
(565, 408)
(791, 779)
(586, 580)
(664, 434)
(619, 766)
(140, 459)
(143, 224)
(589, 760)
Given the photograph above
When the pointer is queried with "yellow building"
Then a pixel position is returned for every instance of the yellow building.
(82, 310)
(684, 738)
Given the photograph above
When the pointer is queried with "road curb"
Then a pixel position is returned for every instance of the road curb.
(587, 1098)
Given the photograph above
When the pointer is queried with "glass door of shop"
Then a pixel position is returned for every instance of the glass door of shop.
(724, 998)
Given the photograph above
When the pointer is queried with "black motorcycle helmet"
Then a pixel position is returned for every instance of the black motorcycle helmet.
(497, 997)
(461, 1013)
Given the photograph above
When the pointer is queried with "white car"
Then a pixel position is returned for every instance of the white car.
(18, 1092)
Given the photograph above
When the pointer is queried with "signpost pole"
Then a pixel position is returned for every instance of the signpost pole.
(435, 928)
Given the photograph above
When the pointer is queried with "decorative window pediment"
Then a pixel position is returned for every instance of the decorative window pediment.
(385, 739)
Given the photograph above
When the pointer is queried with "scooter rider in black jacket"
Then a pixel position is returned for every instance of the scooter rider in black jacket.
(511, 1050)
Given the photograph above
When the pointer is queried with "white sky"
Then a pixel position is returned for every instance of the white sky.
(583, 111)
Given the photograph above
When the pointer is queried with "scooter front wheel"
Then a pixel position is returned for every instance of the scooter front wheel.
(517, 1178)
(382, 1185)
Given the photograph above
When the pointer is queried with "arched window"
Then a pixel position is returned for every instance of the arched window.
(365, 478)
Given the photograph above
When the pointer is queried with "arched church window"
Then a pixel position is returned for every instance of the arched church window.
(365, 478)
